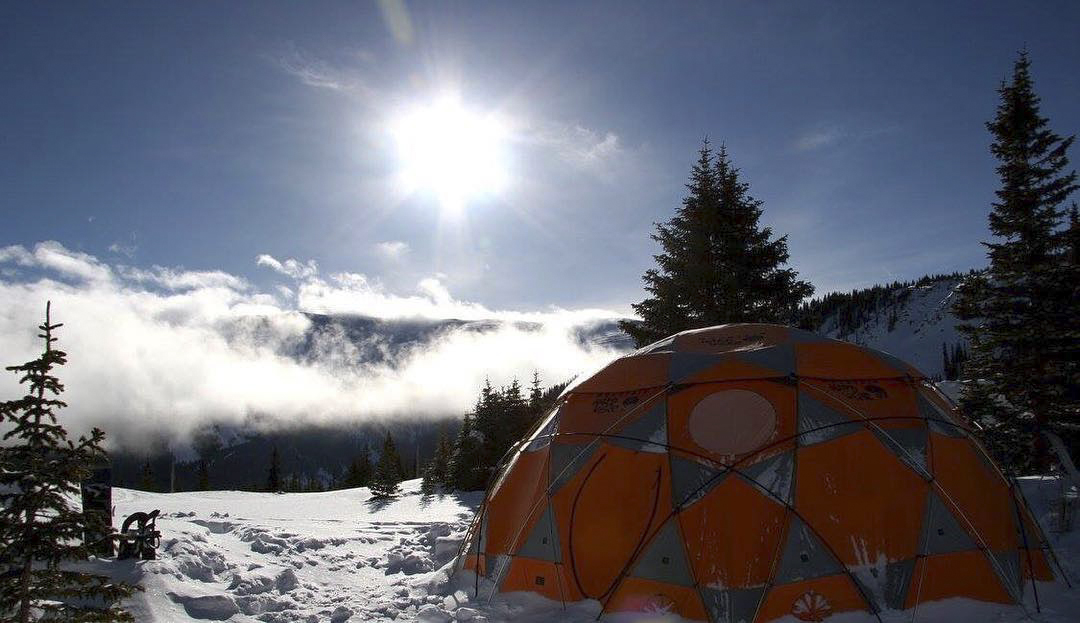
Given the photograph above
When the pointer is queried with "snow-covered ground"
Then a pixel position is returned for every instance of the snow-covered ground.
(924, 322)
(341, 556)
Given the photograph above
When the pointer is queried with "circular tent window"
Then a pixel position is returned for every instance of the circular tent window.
(733, 421)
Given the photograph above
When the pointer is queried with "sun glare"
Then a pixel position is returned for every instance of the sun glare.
(451, 152)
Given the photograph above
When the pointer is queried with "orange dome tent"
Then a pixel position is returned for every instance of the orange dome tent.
(750, 472)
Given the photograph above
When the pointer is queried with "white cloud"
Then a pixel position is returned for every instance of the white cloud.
(127, 250)
(164, 351)
(575, 144)
(392, 249)
(317, 73)
(818, 138)
(290, 267)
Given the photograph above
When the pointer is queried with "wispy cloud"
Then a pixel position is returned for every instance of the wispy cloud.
(392, 249)
(290, 267)
(819, 138)
(127, 250)
(163, 351)
(320, 74)
(575, 144)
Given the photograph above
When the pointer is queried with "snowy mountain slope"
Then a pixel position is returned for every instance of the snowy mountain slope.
(340, 556)
(921, 323)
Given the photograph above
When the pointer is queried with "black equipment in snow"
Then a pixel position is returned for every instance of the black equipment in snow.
(142, 540)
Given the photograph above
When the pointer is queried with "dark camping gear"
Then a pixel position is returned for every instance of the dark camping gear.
(139, 537)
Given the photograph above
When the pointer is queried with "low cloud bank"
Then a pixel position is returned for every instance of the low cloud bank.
(165, 351)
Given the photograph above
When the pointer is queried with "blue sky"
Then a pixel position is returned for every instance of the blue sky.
(202, 135)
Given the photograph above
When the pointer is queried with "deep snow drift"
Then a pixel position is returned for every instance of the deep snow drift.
(341, 556)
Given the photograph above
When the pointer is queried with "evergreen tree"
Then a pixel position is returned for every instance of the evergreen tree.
(437, 473)
(465, 468)
(359, 472)
(204, 475)
(146, 478)
(40, 528)
(273, 474)
(384, 482)
(536, 393)
(717, 264)
(1021, 326)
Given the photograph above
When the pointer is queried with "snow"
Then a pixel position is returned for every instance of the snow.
(342, 556)
(924, 322)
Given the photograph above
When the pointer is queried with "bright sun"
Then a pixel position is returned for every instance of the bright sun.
(453, 153)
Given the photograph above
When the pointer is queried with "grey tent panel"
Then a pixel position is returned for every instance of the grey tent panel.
(663, 346)
(565, 461)
(544, 436)
(664, 558)
(780, 358)
(690, 481)
(685, 365)
(942, 533)
(496, 570)
(733, 605)
(543, 540)
(775, 475)
(1008, 569)
(897, 582)
(909, 444)
(804, 556)
(819, 423)
(938, 421)
(648, 433)
(886, 588)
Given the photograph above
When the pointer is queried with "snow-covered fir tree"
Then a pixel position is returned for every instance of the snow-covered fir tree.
(41, 528)
(717, 264)
(1021, 314)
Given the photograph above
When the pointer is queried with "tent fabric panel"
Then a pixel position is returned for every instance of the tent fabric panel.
(942, 532)
(536, 576)
(821, 419)
(909, 444)
(567, 460)
(977, 491)
(589, 415)
(691, 479)
(804, 555)
(684, 431)
(863, 518)
(814, 599)
(542, 541)
(733, 337)
(652, 597)
(645, 433)
(732, 605)
(837, 360)
(688, 368)
(717, 557)
(876, 399)
(517, 498)
(779, 359)
(959, 574)
(775, 476)
(628, 373)
(597, 543)
(664, 557)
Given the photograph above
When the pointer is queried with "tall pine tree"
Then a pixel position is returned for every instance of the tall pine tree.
(717, 263)
(384, 482)
(40, 527)
(437, 472)
(1020, 316)
(273, 474)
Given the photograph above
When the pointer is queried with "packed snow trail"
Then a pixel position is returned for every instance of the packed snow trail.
(341, 556)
